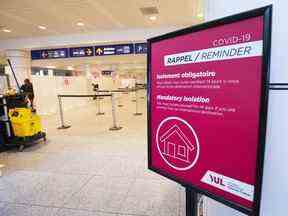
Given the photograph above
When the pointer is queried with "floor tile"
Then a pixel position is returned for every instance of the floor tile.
(27, 210)
(102, 194)
(70, 212)
(54, 190)
(152, 198)
(16, 184)
(89, 170)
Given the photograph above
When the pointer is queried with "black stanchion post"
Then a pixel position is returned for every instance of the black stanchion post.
(191, 202)
(98, 99)
(137, 113)
(134, 99)
(120, 100)
(143, 96)
(114, 127)
(63, 126)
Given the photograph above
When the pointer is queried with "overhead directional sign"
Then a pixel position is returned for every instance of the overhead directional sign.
(81, 51)
(49, 54)
(88, 51)
(121, 49)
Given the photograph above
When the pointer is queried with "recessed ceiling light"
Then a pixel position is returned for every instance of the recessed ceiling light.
(7, 30)
(51, 67)
(80, 24)
(42, 27)
(153, 18)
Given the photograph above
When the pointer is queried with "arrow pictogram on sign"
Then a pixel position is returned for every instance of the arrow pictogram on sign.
(99, 51)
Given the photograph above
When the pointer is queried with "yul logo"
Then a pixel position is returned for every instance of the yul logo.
(217, 180)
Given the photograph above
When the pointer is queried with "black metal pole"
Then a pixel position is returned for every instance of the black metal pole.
(137, 113)
(63, 126)
(191, 202)
(98, 99)
(114, 127)
(14, 75)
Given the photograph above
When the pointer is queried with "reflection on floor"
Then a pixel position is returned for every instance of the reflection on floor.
(88, 170)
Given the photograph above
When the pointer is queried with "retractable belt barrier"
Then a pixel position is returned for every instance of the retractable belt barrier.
(124, 90)
(97, 96)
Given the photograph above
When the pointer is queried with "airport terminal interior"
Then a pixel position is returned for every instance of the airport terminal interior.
(86, 169)
(77, 145)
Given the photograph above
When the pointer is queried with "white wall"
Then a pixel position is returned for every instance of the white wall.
(3, 85)
(127, 83)
(275, 185)
(219, 8)
(107, 83)
(47, 88)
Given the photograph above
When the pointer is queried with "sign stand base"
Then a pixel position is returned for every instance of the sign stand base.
(64, 127)
(191, 202)
(115, 128)
(100, 113)
(137, 114)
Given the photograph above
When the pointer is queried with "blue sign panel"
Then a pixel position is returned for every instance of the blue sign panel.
(36, 54)
(140, 48)
(124, 49)
(81, 51)
(49, 54)
(102, 50)
(121, 49)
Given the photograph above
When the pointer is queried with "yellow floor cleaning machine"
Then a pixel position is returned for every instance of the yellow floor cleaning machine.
(19, 125)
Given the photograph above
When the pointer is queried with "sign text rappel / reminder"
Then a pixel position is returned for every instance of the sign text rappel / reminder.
(236, 51)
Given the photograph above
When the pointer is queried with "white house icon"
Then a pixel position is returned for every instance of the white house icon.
(176, 144)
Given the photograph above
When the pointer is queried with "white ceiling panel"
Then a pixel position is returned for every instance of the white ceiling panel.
(22, 17)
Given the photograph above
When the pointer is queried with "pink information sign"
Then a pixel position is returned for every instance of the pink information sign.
(207, 107)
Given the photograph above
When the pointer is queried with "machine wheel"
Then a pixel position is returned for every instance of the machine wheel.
(21, 148)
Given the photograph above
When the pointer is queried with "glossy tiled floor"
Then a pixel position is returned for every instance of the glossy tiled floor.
(88, 170)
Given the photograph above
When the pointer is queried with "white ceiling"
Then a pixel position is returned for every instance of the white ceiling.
(22, 17)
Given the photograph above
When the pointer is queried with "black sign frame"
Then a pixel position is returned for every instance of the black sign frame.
(266, 12)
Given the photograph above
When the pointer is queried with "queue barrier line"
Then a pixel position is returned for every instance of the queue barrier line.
(136, 100)
(97, 96)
